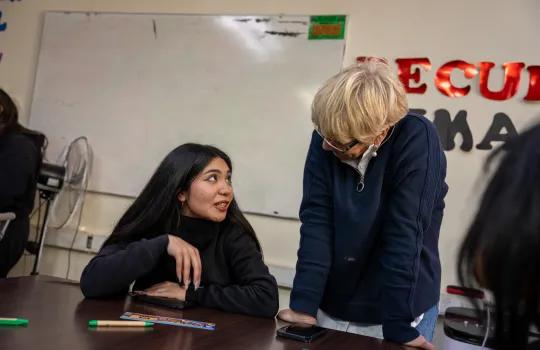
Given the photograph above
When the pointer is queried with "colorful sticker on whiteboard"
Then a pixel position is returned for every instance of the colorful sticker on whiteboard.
(3, 26)
(327, 27)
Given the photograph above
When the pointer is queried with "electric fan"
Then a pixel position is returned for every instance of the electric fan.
(62, 186)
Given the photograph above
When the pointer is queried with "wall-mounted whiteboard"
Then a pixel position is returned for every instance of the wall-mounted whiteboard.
(138, 85)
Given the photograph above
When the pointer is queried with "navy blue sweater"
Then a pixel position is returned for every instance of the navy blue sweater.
(372, 256)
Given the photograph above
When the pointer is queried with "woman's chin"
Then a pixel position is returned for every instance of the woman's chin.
(219, 216)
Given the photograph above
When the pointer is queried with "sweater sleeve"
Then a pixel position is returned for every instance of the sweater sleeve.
(117, 265)
(411, 204)
(316, 234)
(255, 290)
(17, 171)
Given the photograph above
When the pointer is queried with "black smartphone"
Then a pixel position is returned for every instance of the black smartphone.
(161, 301)
(302, 332)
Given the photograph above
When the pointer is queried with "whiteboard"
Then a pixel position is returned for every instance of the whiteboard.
(138, 85)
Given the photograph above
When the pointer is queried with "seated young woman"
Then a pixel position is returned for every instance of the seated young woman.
(21, 152)
(184, 237)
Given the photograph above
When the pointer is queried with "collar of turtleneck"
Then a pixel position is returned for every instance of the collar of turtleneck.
(198, 232)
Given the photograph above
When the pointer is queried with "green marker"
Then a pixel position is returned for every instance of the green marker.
(13, 322)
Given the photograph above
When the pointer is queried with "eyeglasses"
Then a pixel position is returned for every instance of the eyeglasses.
(362, 59)
(336, 146)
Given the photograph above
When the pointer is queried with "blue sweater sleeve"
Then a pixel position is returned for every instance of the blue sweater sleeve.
(316, 233)
(411, 204)
(116, 266)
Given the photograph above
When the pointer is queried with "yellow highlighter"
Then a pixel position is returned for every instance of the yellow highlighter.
(114, 323)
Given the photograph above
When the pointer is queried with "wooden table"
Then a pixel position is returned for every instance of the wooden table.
(59, 314)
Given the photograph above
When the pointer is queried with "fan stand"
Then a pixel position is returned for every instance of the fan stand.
(51, 182)
(48, 196)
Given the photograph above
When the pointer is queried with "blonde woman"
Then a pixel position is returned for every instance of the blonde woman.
(372, 207)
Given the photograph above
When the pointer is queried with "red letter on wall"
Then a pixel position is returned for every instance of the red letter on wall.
(534, 84)
(512, 72)
(442, 79)
(406, 75)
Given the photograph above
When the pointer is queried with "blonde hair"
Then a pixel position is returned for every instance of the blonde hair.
(359, 103)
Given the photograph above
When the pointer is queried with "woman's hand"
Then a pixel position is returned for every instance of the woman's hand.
(421, 343)
(167, 290)
(187, 257)
(291, 316)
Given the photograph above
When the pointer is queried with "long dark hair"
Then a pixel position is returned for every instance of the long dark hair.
(9, 123)
(501, 251)
(157, 209)
(9, 116)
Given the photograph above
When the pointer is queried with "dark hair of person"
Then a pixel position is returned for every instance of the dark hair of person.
(9, 115)
(9, 123)
(501, 251)
(157, 209)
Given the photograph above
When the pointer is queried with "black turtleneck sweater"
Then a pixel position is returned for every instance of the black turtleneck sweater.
(234, 276)
(19, 163)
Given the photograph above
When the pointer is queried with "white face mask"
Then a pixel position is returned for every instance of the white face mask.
(371, 152)
(373, 148)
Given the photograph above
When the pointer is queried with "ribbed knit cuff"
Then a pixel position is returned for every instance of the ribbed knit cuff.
(399, 332)
(303, 302)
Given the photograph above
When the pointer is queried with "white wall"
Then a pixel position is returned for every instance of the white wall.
(470, 30)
